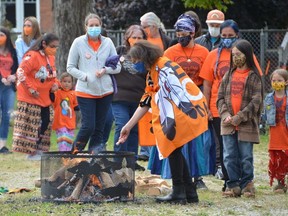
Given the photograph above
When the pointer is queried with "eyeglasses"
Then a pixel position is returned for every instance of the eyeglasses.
(53, 46)
(27, 25)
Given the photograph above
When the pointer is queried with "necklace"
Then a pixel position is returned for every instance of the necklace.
(188, 58)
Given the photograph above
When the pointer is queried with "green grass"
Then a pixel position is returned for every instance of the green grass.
(16, 171)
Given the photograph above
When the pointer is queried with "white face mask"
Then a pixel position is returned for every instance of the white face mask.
(214, 31)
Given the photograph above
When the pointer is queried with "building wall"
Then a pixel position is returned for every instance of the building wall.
(46, 16)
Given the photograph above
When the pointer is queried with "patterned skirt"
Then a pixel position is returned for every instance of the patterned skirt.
(27, 126)
(278, 165)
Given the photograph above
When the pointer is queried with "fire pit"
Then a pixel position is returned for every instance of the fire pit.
(83, 177)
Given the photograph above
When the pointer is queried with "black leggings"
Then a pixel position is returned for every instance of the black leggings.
(179, 169)
(217, 127)
(45, 119)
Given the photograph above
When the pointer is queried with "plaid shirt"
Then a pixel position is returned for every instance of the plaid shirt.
(247, 119)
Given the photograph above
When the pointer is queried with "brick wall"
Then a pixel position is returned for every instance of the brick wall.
(46, 14)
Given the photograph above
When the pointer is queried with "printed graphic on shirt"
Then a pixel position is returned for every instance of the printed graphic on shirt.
(280, 113)
(192, 68)
(223, 67)
(66, 108)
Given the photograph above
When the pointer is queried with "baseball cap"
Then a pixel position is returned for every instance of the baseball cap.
(215, 16)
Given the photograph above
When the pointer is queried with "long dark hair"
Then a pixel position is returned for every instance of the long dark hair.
(146, 52)
(246, 48)
(48, 38)
(9, 46)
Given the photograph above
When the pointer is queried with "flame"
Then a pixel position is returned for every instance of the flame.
(72, 161)
(95, 181)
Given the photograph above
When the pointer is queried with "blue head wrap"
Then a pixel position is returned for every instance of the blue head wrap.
(185, 23)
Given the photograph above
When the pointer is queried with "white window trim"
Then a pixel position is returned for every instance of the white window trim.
(20, 14)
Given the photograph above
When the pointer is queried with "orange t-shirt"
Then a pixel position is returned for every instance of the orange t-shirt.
(156, 41)
(279, 133)
(64, 104)
(33, 65)
(190, 59)
(237, 88)
(94, 44)
(6, 63)
(207, 73)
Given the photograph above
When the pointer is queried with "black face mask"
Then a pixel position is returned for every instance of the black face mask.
(185, 40)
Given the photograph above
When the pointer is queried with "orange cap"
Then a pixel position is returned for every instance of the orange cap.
(215, 16)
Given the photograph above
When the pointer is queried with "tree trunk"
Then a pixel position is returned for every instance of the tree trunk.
(69, 17)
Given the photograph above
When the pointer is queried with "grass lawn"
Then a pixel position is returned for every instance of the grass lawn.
(17, 172)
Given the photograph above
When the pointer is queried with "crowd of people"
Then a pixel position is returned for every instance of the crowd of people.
(200, 95)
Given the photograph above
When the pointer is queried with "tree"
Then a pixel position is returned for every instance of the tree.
(69, 19)
(208, 4)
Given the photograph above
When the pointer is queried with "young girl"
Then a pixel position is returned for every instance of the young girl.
(64, 103)
(239, 105)
(276, 115)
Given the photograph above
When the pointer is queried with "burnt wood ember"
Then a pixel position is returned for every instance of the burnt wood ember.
(85, 177)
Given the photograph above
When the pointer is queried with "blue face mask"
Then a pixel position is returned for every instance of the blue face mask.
(185, 40)
(139, 67)
(94, 31)
(228, 42)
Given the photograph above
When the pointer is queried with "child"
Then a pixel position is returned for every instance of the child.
(65, 104)
(239, 105)
(276, 115)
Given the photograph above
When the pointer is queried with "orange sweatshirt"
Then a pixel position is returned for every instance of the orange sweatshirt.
(36, 71)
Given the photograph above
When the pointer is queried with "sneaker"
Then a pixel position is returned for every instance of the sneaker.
(138, 167)
(249, 190)
(232, 192)
(200, 184)
(5, 150)
(143, 158)
(219, 173)
(34, 157)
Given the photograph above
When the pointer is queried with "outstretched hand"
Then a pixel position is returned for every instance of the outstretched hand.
(123, 135)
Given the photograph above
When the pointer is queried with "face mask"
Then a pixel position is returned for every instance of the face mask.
(277, 86)
(132, 41)
(94, 31)
(50, 51)
(27, 30)
(3, 40)
(139, 67)
(214, 31)
(148, 32)
(184, 41)
(228, 42)
(239, 61)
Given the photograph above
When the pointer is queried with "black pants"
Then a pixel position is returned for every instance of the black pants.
(179, 169)
(217, 127)
(45, 119)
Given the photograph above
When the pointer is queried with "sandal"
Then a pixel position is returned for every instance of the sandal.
(249, 190)
(232, 192)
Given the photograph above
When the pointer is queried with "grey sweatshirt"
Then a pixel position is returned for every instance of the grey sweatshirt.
(83, 62)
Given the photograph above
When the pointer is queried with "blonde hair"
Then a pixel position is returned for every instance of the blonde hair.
(281, 72)
(35, 30)
(91, 16)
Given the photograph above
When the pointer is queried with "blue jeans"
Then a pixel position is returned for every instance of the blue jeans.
(145, 150)
(123, 111)
(238, 160)
(93, 117)
(108, 125)
(7, 97)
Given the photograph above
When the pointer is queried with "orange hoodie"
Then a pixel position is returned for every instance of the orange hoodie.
(34, 65)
